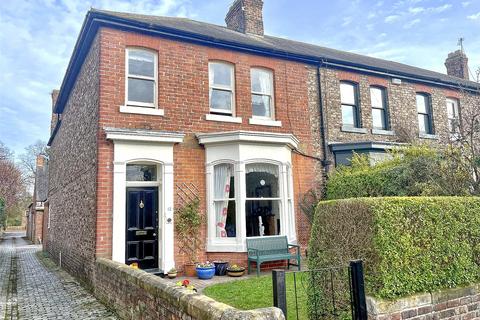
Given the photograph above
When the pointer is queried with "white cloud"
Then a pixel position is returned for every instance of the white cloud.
(392, 18)
(416, 10)
(346, 21)
(466, 4)
(474, 16)
(441, 8)
(412, 23)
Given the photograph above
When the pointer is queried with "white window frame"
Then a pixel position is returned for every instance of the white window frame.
(129, 103)
(456, 110)
(212, 86)
(271, 95)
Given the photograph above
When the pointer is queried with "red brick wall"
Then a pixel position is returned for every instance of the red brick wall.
(183, 94)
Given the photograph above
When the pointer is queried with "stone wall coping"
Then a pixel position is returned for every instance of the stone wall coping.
(196, 305)
(377, 306)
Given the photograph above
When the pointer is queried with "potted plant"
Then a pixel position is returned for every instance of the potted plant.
(205, 270)
(235, 271)
(220, 268)
(172, 273)
(187, 228)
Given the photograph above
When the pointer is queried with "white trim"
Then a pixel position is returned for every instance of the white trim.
(154, 78)
(221, 118)
(142, 110)
(248, 136)
(265, 122)
(116, 134)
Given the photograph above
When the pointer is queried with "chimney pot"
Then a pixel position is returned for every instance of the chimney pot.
(457, 65)
(246, 16)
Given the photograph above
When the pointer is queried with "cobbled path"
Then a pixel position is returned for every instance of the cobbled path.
(28, 290)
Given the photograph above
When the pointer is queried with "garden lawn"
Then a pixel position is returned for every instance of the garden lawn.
(253, 293)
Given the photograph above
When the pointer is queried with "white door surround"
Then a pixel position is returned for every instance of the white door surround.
(144, 146)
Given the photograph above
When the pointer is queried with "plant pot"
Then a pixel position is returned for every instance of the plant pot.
(172, 275)
(189, 270)
(235, 273)
(220, 268)
(205, 273)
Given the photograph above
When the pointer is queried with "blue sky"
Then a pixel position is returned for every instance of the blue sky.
(37, 39)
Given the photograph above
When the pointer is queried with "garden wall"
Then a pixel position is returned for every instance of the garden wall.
(135, 294)
(457, 304)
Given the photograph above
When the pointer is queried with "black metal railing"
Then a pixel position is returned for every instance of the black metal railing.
(329, 293)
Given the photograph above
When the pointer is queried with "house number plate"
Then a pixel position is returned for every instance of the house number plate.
(141, 233)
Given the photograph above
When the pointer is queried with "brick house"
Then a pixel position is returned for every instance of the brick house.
(153, 110)
(35, 213)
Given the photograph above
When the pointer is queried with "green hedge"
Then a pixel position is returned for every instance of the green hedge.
(408, 244)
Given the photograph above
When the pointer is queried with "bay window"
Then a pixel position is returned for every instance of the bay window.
(222, 84)
(141, 84)
(224, 200)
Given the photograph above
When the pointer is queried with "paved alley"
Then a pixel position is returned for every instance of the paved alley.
(28, 290)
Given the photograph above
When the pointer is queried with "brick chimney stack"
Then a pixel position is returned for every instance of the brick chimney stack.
(55, 116)
(246, 16)
(457, 65)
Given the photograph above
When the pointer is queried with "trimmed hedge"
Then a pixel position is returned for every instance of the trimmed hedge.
(408, 244)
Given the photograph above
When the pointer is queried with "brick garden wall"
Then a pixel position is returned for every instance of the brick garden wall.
(134, 294)
(72, 187)
(455, 304)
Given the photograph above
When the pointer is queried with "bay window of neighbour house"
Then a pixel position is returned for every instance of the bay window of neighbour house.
(453, 117)
(424, 111)
(262, 93)
(379, 108)
(349, 101)
(222, 84)
(141, 84)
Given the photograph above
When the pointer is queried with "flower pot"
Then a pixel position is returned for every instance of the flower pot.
(220, 268)
(189, 270)
(235, 273)
(205, 273)
(172, 275)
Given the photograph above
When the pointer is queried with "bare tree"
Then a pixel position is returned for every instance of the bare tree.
(12, 189)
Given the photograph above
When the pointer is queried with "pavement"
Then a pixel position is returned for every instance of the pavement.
(29, 290)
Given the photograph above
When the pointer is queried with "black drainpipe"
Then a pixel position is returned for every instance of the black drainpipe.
(325, 162)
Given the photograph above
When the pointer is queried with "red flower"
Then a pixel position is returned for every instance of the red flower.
(186, 283)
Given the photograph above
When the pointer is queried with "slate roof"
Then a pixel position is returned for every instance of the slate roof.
(223, 34)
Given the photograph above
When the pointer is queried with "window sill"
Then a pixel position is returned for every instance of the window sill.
(142, 110)
(265, 122)
(220, 118)
(354, 130)
(383, 132)
(227, 246)
(428, 136)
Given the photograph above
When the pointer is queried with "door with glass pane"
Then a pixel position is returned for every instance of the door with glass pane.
(142, 227)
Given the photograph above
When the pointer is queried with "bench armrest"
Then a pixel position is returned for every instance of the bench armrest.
(252, 252)
(294, 245)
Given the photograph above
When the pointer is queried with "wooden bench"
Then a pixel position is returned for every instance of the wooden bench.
(271, 248)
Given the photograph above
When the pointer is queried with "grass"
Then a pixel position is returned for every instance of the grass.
(253, 293)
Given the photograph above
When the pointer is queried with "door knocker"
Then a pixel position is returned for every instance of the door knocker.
(141, 205)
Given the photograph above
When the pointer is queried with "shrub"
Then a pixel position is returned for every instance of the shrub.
(408, 244)
(412, 171)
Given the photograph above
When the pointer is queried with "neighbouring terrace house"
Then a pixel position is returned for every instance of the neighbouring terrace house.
(154, 111)
(36, 210)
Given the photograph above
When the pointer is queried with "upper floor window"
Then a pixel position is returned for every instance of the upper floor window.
(424, 111)
(453, 116)
(262, 93)
(349, 100)
(141, 78)
(222, 84)
(379, 108)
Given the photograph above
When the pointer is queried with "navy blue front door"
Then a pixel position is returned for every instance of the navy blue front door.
(142, 227)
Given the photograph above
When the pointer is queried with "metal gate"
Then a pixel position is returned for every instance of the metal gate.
(329, 293)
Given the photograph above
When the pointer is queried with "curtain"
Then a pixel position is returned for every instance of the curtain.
(221, 180)
(266, 88)
(262, 167)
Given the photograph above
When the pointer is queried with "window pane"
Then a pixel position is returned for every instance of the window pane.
(141, 172)
(348, 115)
(223, 181)
(141, 63)
(226, 226)
(220, 99)
(452, 108)
(261, 105)
(262, 217)
(261, 81)
(220, 74)
(422, 104)
(141, 90)
(347, 93)
(262, 180)
(378, 117)
(423, 123)
(377, 97)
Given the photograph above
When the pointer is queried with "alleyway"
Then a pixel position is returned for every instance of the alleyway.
(28, 290)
